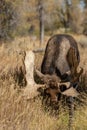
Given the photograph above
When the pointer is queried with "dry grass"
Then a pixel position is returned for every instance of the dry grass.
(12, 64)
(16, 113)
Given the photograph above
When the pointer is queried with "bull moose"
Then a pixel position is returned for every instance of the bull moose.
(59, 66)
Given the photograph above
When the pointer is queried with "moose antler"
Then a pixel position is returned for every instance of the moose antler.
(48, 79)
(54, 86)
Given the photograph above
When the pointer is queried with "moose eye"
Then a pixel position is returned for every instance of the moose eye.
(62, 88)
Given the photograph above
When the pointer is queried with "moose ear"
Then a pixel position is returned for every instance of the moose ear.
(71, 92)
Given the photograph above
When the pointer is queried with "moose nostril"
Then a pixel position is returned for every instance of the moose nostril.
(62, 88)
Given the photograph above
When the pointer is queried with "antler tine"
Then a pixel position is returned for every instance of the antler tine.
(46, 78)
(39, 73)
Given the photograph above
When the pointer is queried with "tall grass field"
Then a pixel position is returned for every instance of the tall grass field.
(17, 113)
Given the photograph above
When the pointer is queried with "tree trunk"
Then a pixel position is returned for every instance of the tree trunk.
(41, 21)
(30, 90)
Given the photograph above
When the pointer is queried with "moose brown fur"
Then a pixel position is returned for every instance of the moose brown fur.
(56, 55)
(61, 59)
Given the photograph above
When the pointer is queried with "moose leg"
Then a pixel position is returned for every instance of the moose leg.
(71, 112)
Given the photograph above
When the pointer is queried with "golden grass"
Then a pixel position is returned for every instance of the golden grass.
(19, 114)
(16, 113)
(12, 64)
